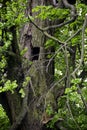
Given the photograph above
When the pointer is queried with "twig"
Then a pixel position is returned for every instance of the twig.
(54, 84)
(82, 50)
(81, 61)
(66, 43)
(67, 67)
(51, 88)
(53, 57)
(58, 26)
(76, 33)
(48, 35)
(72, 114)
(31, 85)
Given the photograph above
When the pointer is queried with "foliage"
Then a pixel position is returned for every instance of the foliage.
(4, 121)
(12, 14)
(48, 12)
(25, 83)
(8, 85)
(21, 91)
(71, 107)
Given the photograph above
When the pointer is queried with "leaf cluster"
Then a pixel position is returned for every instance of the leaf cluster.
(4, 121)
(13, 14)
(50, 13)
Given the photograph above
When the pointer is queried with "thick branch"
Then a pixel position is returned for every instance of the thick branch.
(49, 36)
(72, 8)
(73, 16)
(59, 25)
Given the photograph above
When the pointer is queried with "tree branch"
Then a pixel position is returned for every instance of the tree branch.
(81, 61)
(68, 106)
(73, 16)
(58, 26)
(48, 35)
(72, 8)
(82, 50)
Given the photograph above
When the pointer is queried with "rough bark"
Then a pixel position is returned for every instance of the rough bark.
(37, 71)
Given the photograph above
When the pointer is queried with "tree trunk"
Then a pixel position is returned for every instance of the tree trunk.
(37, 71)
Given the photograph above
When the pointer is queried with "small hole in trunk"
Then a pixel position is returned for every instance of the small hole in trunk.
(35, 53)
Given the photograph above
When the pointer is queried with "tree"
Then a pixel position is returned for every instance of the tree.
(39, 71)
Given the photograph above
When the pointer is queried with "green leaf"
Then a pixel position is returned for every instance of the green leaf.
(23, 51)
(27, 79)
(68, 90)
(22, 93)
(9, 86)
(76, 81)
